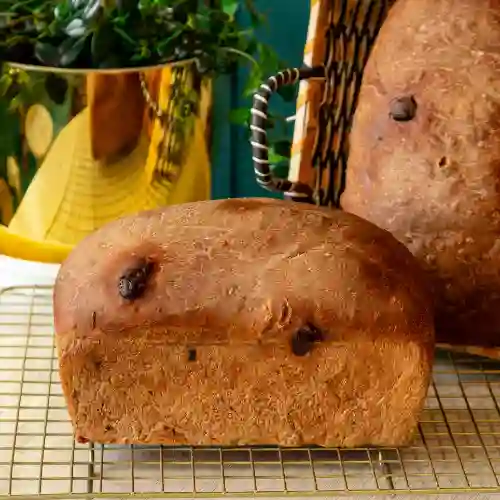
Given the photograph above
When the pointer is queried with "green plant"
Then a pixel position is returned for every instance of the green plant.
(129, 33)
(103, 34)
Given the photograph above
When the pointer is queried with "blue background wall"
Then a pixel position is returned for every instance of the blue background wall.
(232, 172)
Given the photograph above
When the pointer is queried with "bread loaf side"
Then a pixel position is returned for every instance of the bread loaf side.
(243, 322)
(424, 160)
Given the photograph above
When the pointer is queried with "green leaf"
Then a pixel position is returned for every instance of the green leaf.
(281, 169)
(218, 22)
(283, 148)
(256, 18)
(76, 28)
(15, 103)
(205, 64)
(251, 46)
(92, 10)
(271, 122)
(288, 93)
(5, 83)
(127, 5)
(230, 7)
(70, 50)
(268, 59)
(47, 54)
(23, 77)
(240, 116)
(104, 43)
(254, 81)
(64, 55)
(126, 37)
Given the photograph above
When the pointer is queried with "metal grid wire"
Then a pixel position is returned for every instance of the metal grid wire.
(457, 447)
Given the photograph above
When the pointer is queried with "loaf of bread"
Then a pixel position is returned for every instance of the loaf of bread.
(240, 322)
(424, 160)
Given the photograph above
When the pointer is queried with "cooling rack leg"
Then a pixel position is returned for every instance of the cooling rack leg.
(90, 469)
(386, 470)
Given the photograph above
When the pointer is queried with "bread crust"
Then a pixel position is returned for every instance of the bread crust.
(433, 180)
(211, 352)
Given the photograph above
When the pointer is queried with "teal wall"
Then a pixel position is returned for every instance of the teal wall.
(232, 171)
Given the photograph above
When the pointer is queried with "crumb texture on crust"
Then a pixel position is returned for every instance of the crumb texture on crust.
(434, 180)
(254, 322)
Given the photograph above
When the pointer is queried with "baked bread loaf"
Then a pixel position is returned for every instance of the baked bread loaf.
(424, 159)
(243, 321)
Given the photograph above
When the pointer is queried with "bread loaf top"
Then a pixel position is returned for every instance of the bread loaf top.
(424, 154)
(242, 270)
(425, 146)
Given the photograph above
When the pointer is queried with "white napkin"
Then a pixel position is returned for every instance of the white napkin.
(14, 272)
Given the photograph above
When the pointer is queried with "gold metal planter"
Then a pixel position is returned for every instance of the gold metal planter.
(93, 146)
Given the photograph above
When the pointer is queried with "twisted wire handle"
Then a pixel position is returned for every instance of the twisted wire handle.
(260, 149)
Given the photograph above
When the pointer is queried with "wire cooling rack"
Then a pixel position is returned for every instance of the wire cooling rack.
(456, 449)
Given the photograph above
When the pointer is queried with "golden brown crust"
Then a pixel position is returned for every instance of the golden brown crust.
(231, 284)
(433, 181)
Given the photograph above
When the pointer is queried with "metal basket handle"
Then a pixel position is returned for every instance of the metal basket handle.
(260, 149)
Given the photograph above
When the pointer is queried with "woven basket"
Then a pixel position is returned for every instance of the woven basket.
(340, 35)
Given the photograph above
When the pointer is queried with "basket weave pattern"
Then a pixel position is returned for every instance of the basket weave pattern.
(340, 35)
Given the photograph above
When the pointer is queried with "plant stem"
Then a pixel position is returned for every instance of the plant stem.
(241, 54)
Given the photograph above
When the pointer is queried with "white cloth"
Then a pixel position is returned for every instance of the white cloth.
(14, 272)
